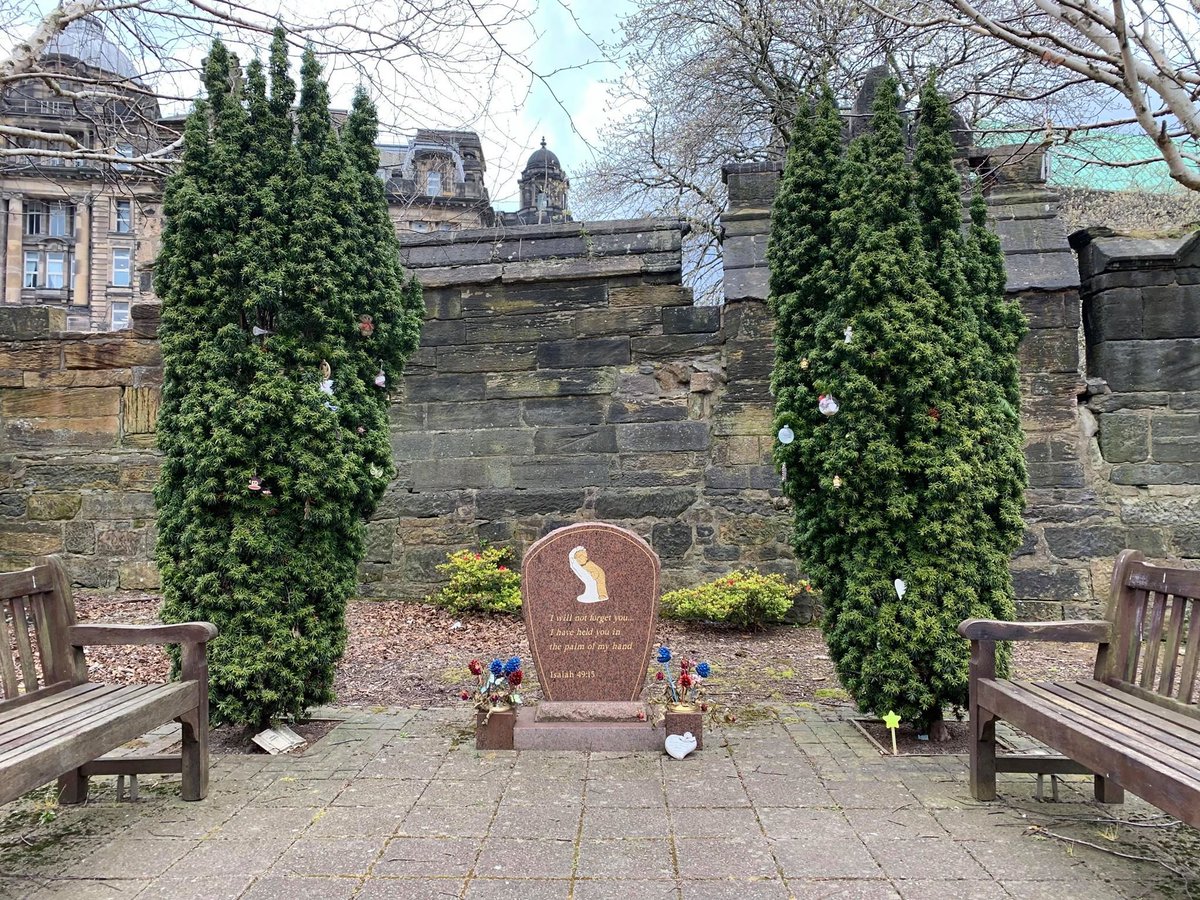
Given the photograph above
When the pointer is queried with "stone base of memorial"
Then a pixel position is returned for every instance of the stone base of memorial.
(684, 718)
(494, 730)
(605, 725)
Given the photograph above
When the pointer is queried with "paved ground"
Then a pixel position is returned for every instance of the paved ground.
(400, 805)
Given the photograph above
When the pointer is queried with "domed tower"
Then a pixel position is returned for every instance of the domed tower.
(544, 188)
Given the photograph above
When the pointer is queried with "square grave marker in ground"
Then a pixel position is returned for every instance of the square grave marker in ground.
(590, 598)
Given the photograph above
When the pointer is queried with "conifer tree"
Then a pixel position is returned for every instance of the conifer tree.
(895, 479)
(283, 303)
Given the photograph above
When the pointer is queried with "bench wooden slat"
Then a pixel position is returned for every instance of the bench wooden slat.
(1114, 732)
(1158, 613)
(38, 766)
(1126, 635)
(7, 670)
(1121, 694)
(1165, 580)
(73, 712)
(24, 648)
(1176, 742)
(1174, 637)
(45, 644)
(38, 702)
(1191, 658)
(1170, 791)
(33, 580)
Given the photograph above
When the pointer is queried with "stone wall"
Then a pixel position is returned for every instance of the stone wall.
(1141, 314)
(563, 375)
(77, 458)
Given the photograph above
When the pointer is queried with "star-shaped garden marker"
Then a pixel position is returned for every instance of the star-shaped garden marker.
(892, 721)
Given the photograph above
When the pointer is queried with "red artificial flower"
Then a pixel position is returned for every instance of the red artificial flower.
(685, 664)
(934, 414)
(703, 707)
(685, 680)
(641, 715)
(475, 667)
(658, 676)
(501, 568)
(515, 678)
(465, 695)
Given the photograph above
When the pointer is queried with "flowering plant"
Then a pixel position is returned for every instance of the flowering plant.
(744, 599)
(482, 582)
(685, 688)
(496, 685)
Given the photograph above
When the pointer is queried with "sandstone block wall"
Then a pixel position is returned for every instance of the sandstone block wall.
(1141, 314)
(565, 375)
(77, 457)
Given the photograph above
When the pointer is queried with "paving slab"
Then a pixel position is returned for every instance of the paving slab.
(398, 804)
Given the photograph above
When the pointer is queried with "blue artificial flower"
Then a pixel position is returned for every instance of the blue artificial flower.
(496, 668)
(514, 663)
(702, 670)
(664, 654)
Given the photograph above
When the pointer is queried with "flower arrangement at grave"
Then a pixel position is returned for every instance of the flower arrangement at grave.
(479, 581)
(495, 685)
(681, 689)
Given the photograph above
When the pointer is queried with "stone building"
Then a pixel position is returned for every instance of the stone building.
(78, 234)
(436, 182)
(543, 185)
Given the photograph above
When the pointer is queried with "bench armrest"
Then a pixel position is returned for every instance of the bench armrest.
(97, 635)
(1083, 631)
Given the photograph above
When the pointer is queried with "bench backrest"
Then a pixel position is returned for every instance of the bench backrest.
(35, 610)
(1156, 636)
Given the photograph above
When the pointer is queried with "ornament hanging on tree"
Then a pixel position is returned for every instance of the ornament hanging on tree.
(849, 333)
(901, 587)
(326, 378)
(380, 379)
(260, 332)
(786, 435)
(266, 492)
(366, 325)
(837, 481)
(255, 484)
(935, 414)
(827, 405)
(376, 472)
(804, 363)
(361, 430)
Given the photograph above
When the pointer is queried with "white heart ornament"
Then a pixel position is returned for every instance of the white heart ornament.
(901, 587)
(680, 745)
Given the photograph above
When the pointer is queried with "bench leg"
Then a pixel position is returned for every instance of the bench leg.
(1108, 791)
(195, 754)
(73, 788)
(983, 757)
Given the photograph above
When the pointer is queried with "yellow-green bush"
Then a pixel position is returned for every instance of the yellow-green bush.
(480, 582)
(745, 598)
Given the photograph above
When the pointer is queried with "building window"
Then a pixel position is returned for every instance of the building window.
(419, 226)
(62, 220)
(56, 270)
(120, 315)
(446, 226)
(35, 217)
(127, 151)
(124, 218)
(433, 183)
(122, 269)
(32, 269)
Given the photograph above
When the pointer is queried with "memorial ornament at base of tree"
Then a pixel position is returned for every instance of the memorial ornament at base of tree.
(891, 722)
(827, 404)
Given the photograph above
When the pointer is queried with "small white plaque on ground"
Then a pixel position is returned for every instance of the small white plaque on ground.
(280, 739)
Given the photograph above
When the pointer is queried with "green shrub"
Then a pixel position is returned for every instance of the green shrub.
(745, 598)
(480, 582)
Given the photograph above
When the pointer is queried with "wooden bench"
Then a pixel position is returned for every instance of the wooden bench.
(55, 723)
(1135, 725)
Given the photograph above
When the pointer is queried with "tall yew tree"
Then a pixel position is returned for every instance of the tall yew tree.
(901, 468)
(284, 317)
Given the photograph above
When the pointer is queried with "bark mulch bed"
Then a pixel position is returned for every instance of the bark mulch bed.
(409, 654)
